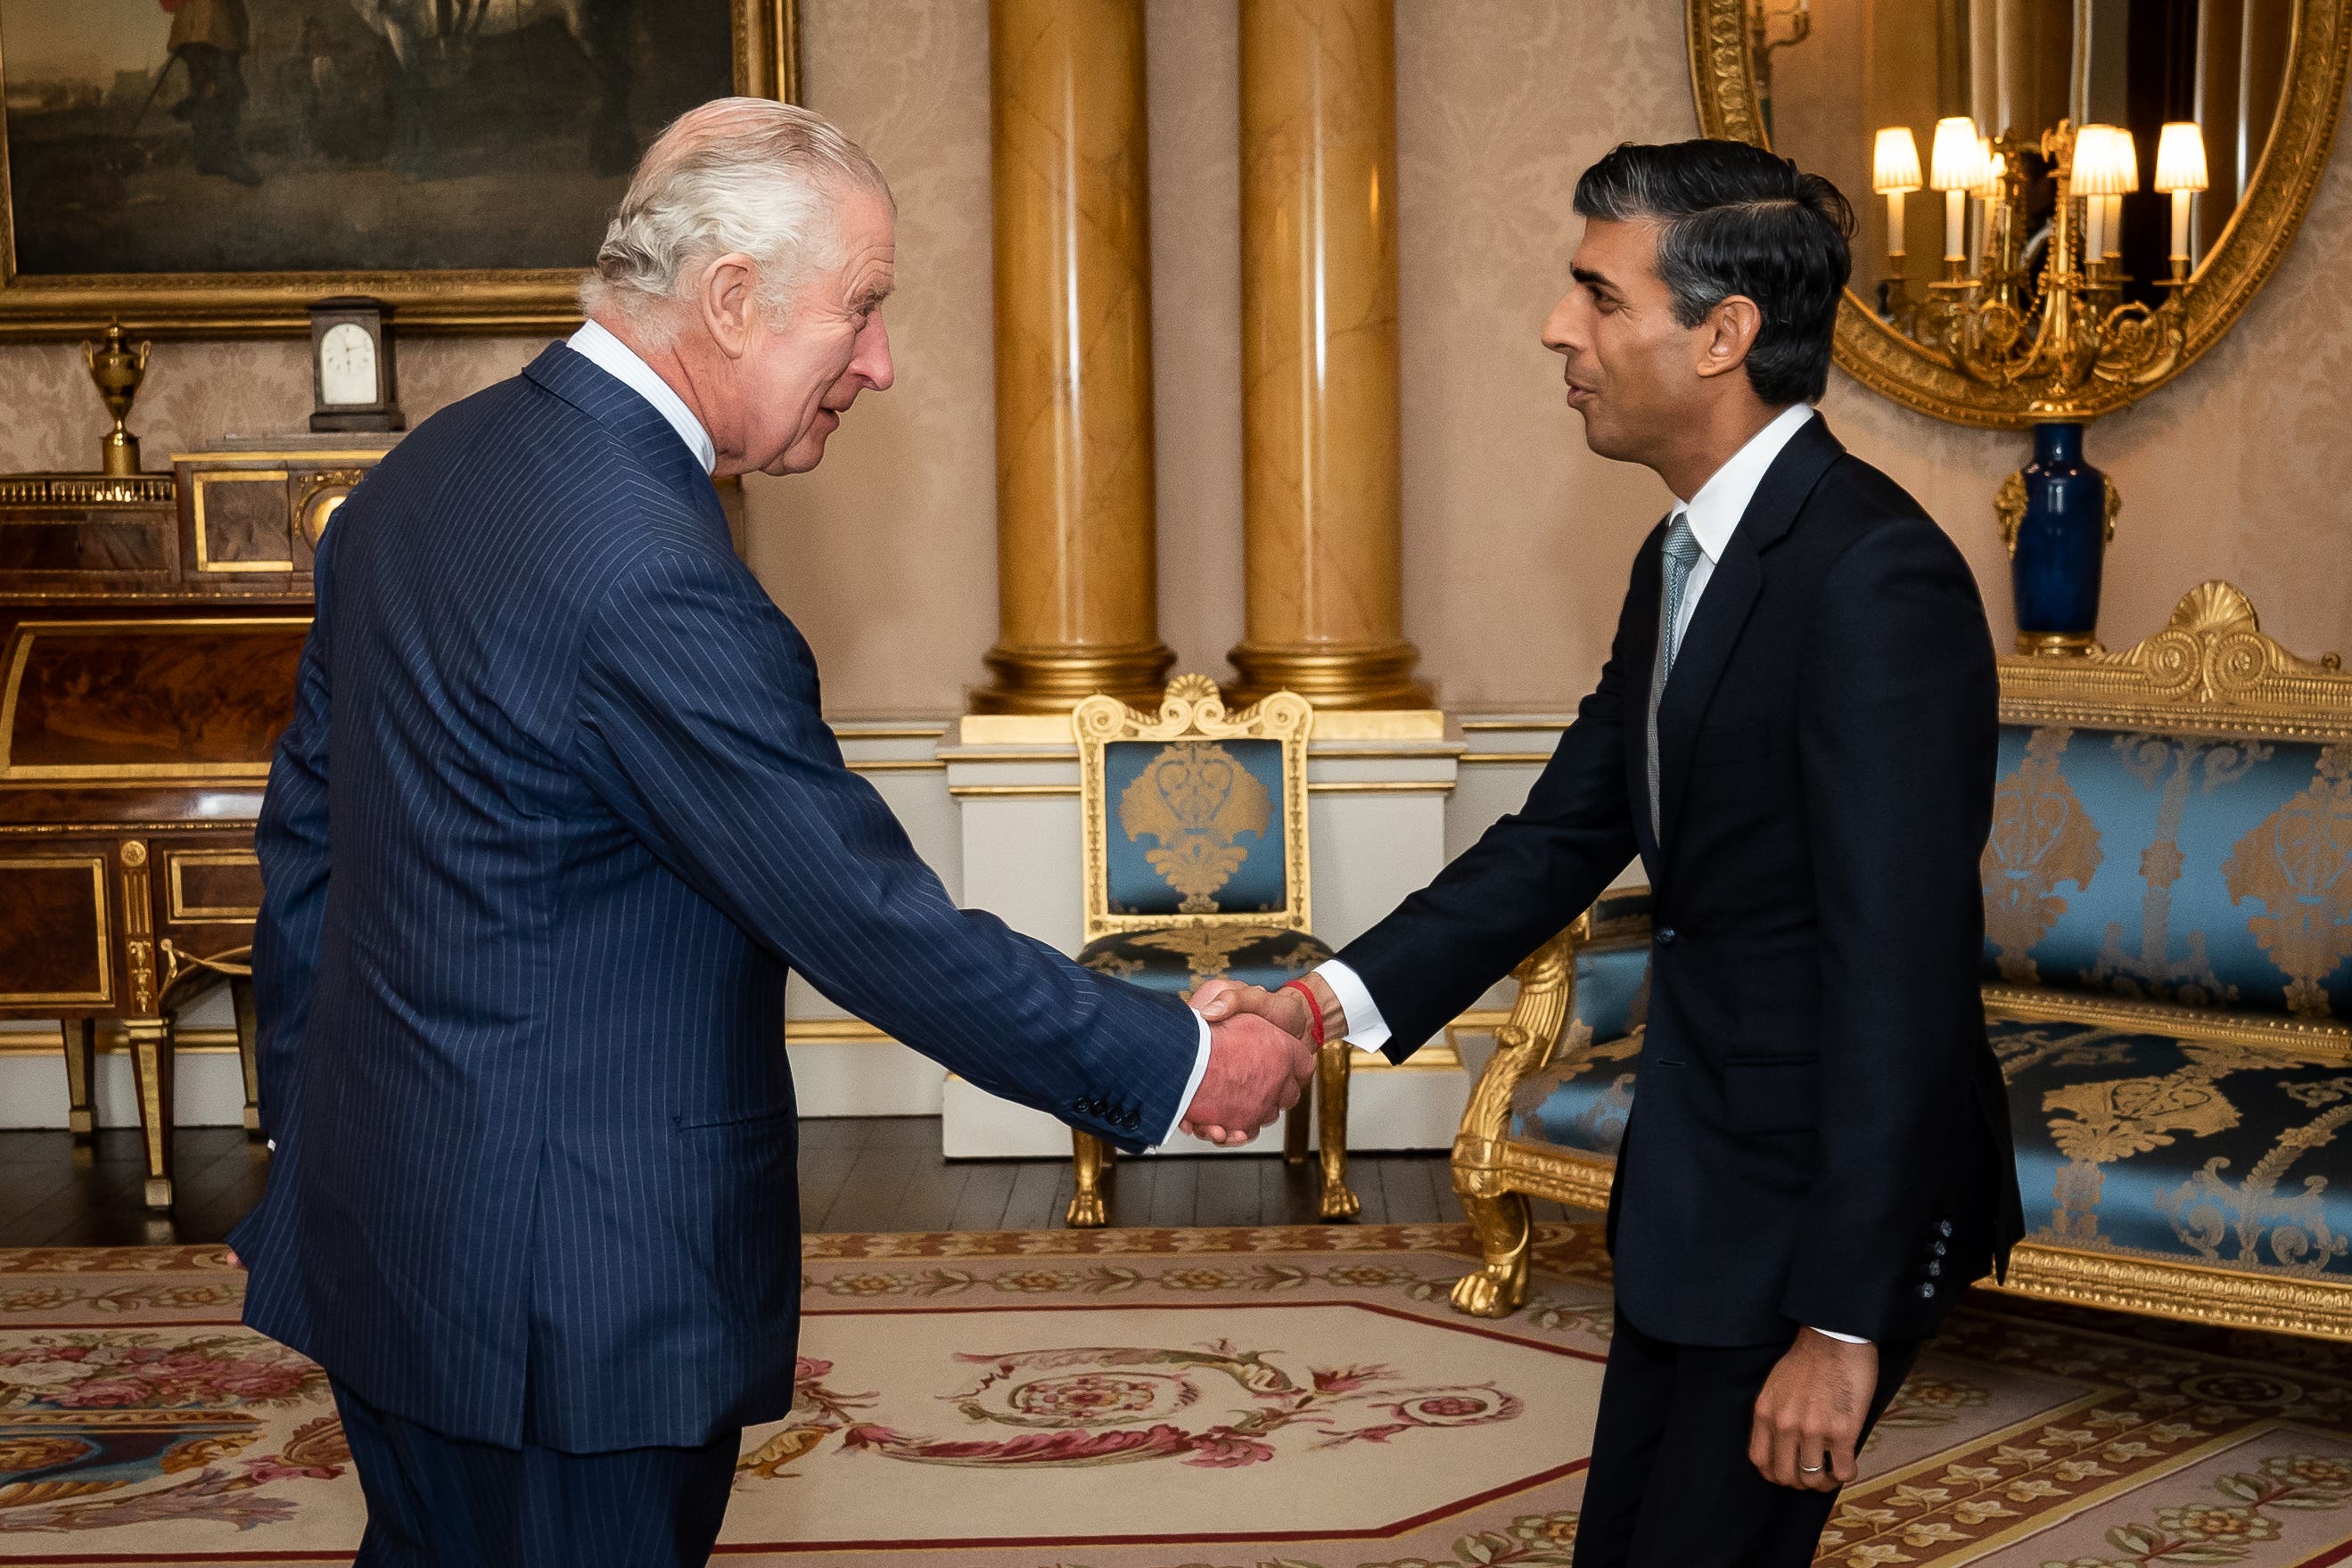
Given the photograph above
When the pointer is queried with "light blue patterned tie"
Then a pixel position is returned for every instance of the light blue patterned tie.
(1681, 555)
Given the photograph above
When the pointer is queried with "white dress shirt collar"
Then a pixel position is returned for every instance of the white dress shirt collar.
(1714, 512)
(617, 359)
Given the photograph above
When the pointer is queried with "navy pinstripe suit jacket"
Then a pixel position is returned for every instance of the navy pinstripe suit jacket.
(556, 812)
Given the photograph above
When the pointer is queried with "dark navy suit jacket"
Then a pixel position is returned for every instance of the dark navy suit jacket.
(1819, 1133)
(556, 813)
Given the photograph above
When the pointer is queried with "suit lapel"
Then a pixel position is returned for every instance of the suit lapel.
(1728, 599)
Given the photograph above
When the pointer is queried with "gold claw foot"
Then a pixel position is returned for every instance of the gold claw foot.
(1085, 1212)
(1338, 1202)
(1504, 1228)
(1491, 1293)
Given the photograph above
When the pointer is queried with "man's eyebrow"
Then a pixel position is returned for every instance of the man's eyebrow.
(874, 293)
(1592, 279)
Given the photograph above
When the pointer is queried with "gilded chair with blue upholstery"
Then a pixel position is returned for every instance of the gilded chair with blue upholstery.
(2167, 986)
(1195, 868)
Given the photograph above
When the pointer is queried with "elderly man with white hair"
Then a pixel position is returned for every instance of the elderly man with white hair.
(557, 812)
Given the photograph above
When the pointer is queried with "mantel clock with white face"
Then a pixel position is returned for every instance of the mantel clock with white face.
(352, 366)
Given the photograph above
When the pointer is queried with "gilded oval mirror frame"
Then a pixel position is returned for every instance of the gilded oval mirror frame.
(2233, 267)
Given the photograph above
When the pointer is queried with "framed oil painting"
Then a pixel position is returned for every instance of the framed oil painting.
(212, 166)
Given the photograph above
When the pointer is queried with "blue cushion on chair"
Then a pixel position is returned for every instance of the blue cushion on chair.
(1580, 1098)
(1194, 827)
(2173, 868)
(2186, 1150)
(1179, 958)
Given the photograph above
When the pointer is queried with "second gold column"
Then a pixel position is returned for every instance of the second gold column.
(1324, 603)
(1078, 580)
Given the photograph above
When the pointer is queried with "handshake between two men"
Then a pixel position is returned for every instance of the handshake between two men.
(1262, 1047)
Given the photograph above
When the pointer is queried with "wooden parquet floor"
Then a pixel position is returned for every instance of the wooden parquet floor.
(881, 1173)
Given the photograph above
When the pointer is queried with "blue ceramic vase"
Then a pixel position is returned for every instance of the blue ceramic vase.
(2062, 541)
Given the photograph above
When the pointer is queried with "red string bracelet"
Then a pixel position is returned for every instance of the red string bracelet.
(1313, 1007)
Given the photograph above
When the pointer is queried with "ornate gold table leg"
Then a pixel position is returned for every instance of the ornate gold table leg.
(1499, 1287)
(240, 994)
(150, 1059)
(81, 1068)
(1294, 1128)
(1331, 1126)
(1089, 1158)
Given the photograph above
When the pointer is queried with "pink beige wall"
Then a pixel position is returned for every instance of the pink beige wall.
(1516, 540)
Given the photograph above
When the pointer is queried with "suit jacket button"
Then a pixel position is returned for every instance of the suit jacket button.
(1943, 1228)
(1936, 1249)
(1926, 1292)
(1934, 1270)
(1668, 937)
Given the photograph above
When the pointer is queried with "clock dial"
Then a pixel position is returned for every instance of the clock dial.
(346, 366)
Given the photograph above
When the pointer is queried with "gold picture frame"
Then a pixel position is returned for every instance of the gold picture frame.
(2234, 268)
(765, 42)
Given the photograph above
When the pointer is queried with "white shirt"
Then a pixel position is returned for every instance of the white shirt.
(1713, 513)
(620, 361)
(617, 359)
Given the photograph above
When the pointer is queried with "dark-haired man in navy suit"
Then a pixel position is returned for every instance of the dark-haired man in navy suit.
(1795, 735)
(557, 812)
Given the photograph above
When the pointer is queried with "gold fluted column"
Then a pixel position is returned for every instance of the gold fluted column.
(1324, 604)
(1078, 583)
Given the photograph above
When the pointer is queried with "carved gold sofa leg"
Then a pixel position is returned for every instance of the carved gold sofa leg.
(1499, 1287)
(1498, 1216)
(1089, 1155)
(1331, 1112)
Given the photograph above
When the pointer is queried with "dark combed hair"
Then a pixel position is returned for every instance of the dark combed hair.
(1733, 219)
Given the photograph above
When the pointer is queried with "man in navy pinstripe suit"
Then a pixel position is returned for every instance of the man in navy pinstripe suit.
(556, 813)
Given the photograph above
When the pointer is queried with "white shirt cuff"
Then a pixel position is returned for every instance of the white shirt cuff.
(1192, 1084)
(1841, 1338)
(1366, 1031)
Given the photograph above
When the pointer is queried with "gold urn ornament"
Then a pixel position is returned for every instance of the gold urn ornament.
(117, 369)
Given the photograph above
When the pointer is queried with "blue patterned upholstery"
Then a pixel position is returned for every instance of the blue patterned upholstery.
(2200, 873)
(1178, 958)
(1580, 1098)
(1193, 827)
(2191, 1151)
(2173, 868)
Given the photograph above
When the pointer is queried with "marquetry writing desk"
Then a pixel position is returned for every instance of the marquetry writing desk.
(149, 627)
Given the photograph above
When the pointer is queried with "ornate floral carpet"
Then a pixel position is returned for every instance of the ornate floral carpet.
(1213, 1398)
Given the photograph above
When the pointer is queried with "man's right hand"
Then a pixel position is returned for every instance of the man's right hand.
(1256, 1071)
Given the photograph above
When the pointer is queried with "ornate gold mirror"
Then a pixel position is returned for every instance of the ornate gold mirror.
(2062, 203)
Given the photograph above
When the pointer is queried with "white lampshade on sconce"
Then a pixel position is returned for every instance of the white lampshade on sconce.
(2105, 165)
(1991, 168)
(1956, 169)
(1894, 173)
(2181, 171)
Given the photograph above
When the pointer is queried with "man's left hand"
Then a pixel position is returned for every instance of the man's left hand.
(1809, 1418)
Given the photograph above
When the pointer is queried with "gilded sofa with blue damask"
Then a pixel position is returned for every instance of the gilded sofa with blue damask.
(2167, 986)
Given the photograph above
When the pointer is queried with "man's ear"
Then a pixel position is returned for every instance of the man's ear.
(1727, 335)
(728, 302)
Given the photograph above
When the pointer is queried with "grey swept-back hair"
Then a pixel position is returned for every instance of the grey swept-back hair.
(740, 174)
